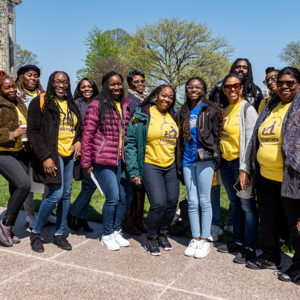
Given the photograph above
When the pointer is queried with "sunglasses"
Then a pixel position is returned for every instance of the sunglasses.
(198, 87)
(271, 79)
(57, 82)
(287, 83)
(229, 87)
(139, 81)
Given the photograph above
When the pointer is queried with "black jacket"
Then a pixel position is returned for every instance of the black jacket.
(44, 141)
(208, 125)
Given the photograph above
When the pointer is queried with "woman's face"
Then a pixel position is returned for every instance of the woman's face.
(8, 89)
(232, 89)
(86, 89)
(165, 99)
(271, 80)
(195, 90)
(115, 86)
(287, 87)
(138, 84)
(30, 80)
(60, 84)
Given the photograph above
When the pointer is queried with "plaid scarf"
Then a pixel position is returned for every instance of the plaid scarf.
(141, 97)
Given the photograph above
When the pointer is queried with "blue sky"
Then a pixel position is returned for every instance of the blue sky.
(55, 30)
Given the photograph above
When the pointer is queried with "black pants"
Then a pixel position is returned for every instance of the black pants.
(13, 167)
(162, 187)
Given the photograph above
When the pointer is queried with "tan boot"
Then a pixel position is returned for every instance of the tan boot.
(128, 220)
(139, 213)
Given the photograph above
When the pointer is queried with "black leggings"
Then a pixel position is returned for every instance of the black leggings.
(13, 167)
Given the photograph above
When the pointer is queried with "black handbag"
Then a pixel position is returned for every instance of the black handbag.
(201, 153)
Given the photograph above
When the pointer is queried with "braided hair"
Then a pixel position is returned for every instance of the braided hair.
(21, 86)
(53, 108)
(248, 84)
(106, 99)
(151, 98)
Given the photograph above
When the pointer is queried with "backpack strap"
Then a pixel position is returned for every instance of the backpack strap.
(247, 105)
(42, 101)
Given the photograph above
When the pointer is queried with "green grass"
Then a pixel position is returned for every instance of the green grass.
(95, 211)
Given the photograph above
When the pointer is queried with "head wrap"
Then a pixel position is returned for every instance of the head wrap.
(3, 76)
(28, 68)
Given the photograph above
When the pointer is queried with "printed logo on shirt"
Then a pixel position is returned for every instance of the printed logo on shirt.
(169, 134)
(270, 128)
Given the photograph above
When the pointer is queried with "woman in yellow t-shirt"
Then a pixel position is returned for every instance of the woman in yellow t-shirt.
(13, 157)
(54, 130)
(276, 156)
(150, 159)
(239, 121)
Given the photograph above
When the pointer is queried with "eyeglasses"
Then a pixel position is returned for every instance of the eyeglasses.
(139, 81)
(271, 79)
(229, 87)
(287, 83)
(58, 82)
(198, 87)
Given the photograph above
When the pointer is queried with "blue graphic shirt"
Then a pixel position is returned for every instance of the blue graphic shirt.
(189, 156)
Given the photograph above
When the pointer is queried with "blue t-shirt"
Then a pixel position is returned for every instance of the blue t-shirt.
(189, 156)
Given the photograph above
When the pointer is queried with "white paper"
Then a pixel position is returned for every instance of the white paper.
(35, 187)
(96, 182)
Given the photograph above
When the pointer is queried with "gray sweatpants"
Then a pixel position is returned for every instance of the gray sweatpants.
(29, 204)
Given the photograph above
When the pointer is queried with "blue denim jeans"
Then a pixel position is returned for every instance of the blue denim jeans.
(118, 193)
(80, 207)
(198, 180)
(215, 204)
(243, 211)
(60, 195)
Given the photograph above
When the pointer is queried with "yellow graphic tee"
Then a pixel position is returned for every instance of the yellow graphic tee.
(161, 139)
(270, 142)
(19, 144)
(118, 104)
(66, 132)
(230, 136)
(262, 104)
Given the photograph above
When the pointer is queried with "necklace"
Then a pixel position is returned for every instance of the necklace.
(163, 116)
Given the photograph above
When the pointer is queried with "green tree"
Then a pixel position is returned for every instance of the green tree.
(120, 36)
(290, 54)
(100, 45)
(25, 57)
(172, 50)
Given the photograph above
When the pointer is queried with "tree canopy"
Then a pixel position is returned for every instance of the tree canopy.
(173, 50)
(291, 54)
(25, 57)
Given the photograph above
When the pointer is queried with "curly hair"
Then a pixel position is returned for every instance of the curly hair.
(21, 86)
(53, 108)
(77, 93)
(133, 73)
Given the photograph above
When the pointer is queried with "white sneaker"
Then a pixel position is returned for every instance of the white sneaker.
(215, 232)
(108, 241)
(228, 228)
(118, 235)
(52, 219)
(202, 250)
(191, 249)
(30, 222)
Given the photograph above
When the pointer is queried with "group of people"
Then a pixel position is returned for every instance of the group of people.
(142, 143)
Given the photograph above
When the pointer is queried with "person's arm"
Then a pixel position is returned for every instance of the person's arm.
(130, 150)
(91, 124)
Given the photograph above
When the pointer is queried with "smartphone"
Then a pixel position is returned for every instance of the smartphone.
(237, 186)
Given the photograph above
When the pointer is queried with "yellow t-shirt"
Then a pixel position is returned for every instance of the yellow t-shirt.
(118, 104)
(66, 132)
(270, 141)
(161, 139)
(262, 104)
(19, 144)
(230, 136)
(215, 181)
(33, 94)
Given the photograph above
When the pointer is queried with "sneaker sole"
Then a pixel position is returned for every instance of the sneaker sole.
(158, 254)
(66, 249)
(199, 257)
(38, 251)
(108, 248)
(166, 249)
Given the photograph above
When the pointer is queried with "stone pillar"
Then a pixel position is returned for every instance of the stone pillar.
(11, 18)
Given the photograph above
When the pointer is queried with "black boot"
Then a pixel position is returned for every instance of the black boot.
(84, 224)
(71, 220)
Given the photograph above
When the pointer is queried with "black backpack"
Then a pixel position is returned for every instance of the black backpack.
(184, 215)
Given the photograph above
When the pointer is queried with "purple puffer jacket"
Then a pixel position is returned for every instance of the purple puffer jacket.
(100, 145)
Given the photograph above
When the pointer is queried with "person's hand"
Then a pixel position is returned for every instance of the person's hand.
(20, 131)
(89, 170)
(244, 179)
(49, 167)
(136, 180)
(77, 150)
